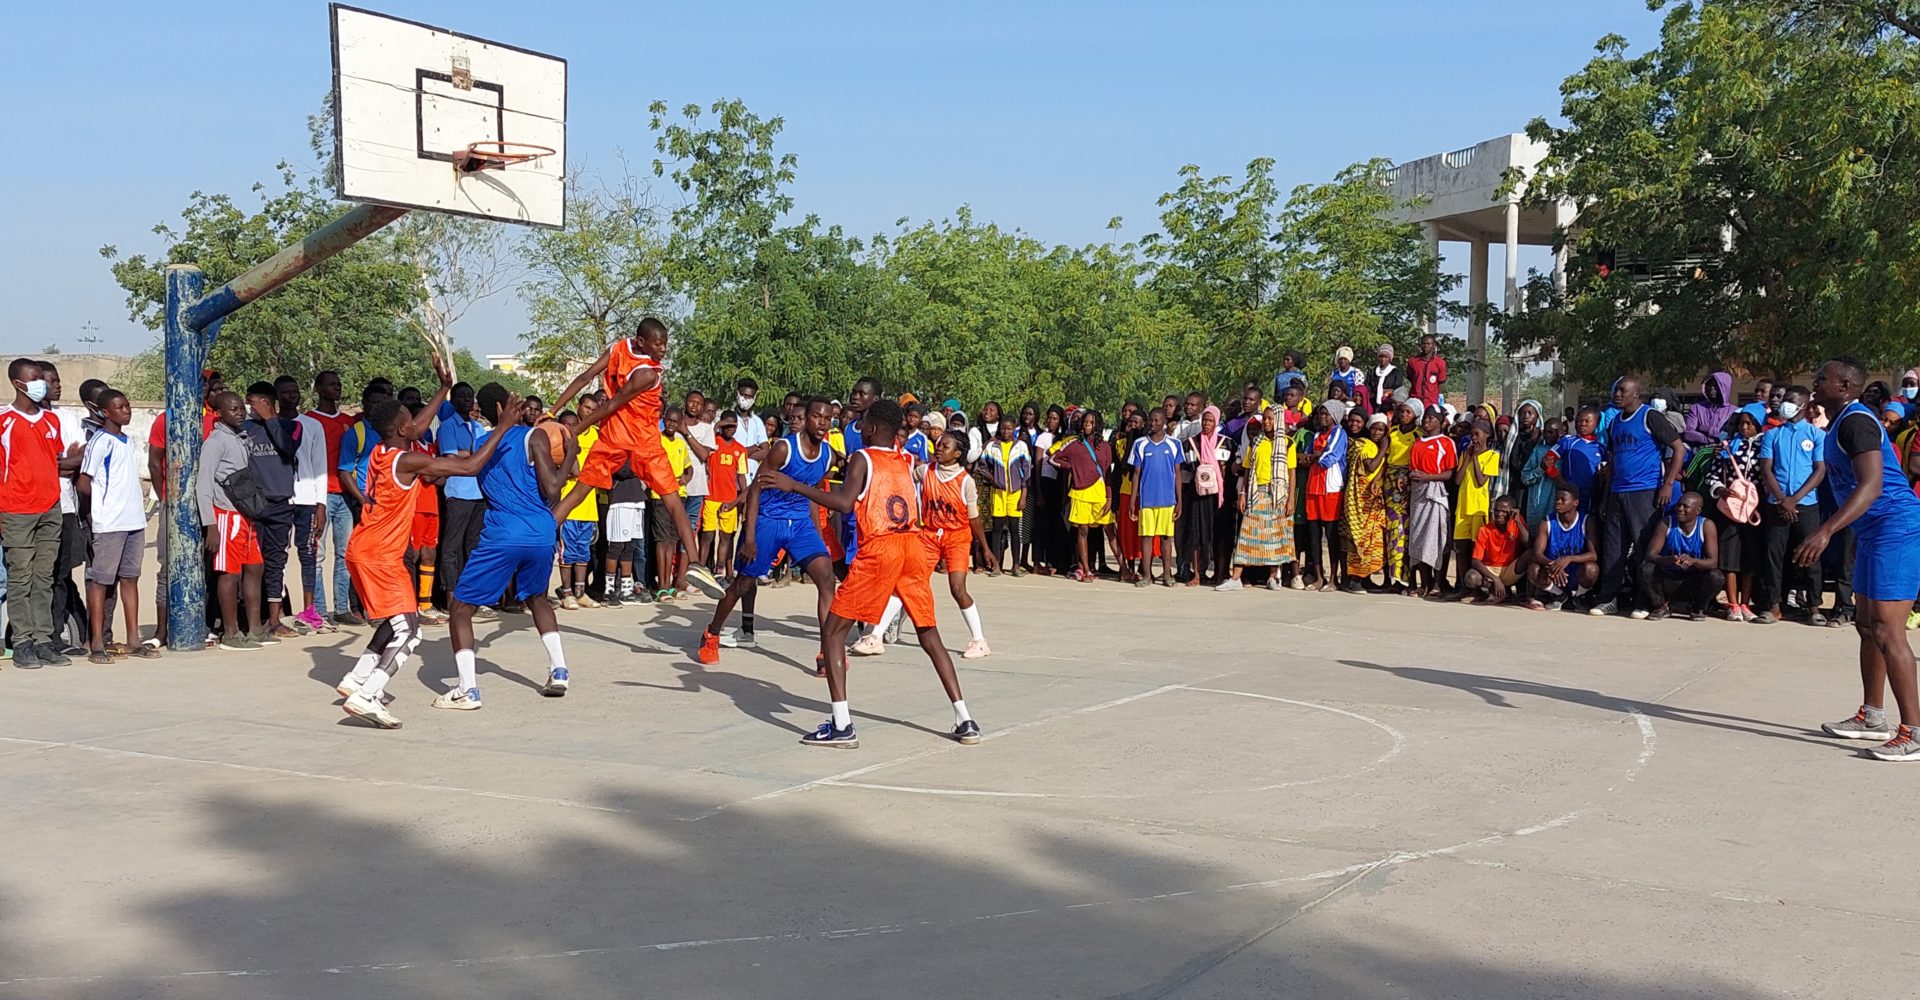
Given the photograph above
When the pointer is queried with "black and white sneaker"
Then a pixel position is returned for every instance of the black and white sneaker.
(967, 733)
(828, 736)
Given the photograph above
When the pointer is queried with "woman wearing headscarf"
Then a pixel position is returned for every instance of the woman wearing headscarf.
(1344, 372)
(1208, 476)
(1707, 420)
(1533, 488)
(1363, 512)
(1266, 523)
(1398, 487)
(1029, 432)
(1430, 509)
(1379, 383)
(1326, 472)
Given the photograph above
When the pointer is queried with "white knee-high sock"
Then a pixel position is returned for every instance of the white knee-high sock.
(972, 614)
(960, 712)
(556, 660)
(842, 716)
(894, 607)
(363, 667)
(463, 660)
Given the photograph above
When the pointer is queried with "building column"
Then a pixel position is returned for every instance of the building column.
(1511, 305)
(1563, 223)
(1431, 234)
(1477, 325)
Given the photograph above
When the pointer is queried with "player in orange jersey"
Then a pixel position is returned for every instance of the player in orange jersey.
(880, 493)
(630, 433)
(377, 553)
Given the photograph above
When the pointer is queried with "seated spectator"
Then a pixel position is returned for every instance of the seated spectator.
(1565, 563)
(1683, 562)
(1498, 557)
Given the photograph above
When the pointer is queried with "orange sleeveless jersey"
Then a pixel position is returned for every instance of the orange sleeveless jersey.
(386, 529)
(943, 505)
(635, 423)
(890, 505)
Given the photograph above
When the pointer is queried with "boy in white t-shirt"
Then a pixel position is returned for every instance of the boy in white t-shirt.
(110, 475)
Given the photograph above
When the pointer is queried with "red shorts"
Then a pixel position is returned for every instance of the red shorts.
(953, 546)
(651, 464)
(384, 585)
(239, 546)
(426, 530)
(895, 565)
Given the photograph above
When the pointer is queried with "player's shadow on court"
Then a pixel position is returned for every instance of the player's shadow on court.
(762, 700)
(1494, 689)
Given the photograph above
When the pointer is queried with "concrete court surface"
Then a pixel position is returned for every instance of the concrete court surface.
(1182, 794)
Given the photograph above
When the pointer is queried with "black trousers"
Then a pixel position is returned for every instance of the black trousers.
(1696, 587)
(460, 524)
(1782, 576)
(1623, 541)
(275, 530)
(1193, 535)
(70, 625)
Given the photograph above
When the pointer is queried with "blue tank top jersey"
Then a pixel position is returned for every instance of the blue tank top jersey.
(1684, 543)
(793, 506)
(1897, 508)
(1635, 452)
(851, 435)
(516, 512)
(1564, 541)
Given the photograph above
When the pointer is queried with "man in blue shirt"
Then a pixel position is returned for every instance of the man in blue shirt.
(1156, 495)
(1762, 404)
(356, 448)
(1791, 468)
(1642, 463)
(463, 510)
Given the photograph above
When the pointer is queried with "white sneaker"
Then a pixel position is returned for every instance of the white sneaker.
(1273, 582)
(976, 648)
(1296, 583)
(569, 603)
(1230, 584)
(586, 602)
(1638, 614)
(869, 645)
(368, 710)
(348, 686)
(459, 700)
(736, 639)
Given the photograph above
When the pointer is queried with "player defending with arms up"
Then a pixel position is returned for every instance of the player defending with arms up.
(630, 432)
(880, 493)
(377, 553)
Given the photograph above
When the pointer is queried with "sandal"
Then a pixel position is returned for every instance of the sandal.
(100, 656)
(145, 652)
(118, 650)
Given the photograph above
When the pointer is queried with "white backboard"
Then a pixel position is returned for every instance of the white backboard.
(408, 98)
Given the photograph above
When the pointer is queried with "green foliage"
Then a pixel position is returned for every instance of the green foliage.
(1754, 177)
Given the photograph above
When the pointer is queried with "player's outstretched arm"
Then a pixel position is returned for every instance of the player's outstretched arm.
(582, 380)
(414, 463)
(431, 411)
(637, 383)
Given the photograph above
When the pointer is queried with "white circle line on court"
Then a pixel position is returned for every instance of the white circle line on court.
(1399, 743)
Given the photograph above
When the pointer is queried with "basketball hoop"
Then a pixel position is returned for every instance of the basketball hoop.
(495, 155)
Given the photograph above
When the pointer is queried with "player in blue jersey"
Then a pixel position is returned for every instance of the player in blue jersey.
(777, 521)
(522, 483)
(1877, 503)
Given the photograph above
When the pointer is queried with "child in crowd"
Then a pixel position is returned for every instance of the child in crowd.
(667, 552)
(626, 539)
(1479, 467)
(1156, 460)
(1498, 557)
(1565, 563)
(110, 478)
(726, 481)
(1009, 463)
(1577, 458)
(582, 524)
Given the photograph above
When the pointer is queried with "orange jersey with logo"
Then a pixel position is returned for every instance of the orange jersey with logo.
(632, 424)
(943, 505)
(386, 529)
(890, 504)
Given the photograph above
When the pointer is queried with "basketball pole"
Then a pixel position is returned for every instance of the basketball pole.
(192, 325)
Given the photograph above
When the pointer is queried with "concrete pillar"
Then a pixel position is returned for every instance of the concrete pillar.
(1569, 391)
(1476, 325)
(1511, 305)
(1431, 233)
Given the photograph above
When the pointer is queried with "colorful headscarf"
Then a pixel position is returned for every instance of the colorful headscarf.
(1206, 450)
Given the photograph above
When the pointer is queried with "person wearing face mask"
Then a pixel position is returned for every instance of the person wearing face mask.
(1792, 466)
(1910, 392)
(76, 537)
(32, 458)
(752, 431)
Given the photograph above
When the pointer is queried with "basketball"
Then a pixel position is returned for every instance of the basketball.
(557, 435)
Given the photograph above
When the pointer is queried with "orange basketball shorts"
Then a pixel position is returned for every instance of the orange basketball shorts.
(651, 464)
(894, 565)
(952, 546)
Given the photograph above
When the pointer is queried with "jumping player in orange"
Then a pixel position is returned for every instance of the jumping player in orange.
(377, 553)
(892, 560)
(630, 432)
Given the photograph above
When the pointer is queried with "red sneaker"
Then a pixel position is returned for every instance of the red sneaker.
(709, 648)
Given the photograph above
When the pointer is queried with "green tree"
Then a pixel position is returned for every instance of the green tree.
(1747, 193)
(1215, 257)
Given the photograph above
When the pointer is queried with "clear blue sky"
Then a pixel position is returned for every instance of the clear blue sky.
(1050, 117)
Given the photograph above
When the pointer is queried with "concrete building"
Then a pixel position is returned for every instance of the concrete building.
(1457, 197)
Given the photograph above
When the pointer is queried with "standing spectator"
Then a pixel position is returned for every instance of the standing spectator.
(726, 484)
(1762, 405)
(1473, 504)
(582, 522)
(752, 431)
(1264, 534)
(1379, 386)
(1792, 466)
(334, 425)
(1428, 370)
(1577, 458)
(357, 442)
(110, 479)
(1345, 373)
(700, 438)
(311, 471)
(1155, 461)
(667, 549)
(31, 456)
(463, 509)
(1292, 372)
(1638, 445)
(273, 449)
(230, 537)
(1707, 420)
(69, 609)
(1432, 462)
(1325, 468)
(1363, 510)
(1087, 459)
(1009, 464)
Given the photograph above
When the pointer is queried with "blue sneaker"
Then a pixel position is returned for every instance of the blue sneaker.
(556, 683)
(458, 700)
(828, 736)
(967, 733)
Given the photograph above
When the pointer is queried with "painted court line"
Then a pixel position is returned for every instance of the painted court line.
(842, 777)
(316, 776)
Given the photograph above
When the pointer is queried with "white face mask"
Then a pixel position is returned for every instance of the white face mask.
(1910, 391)
(1789, 409)
(745, 403)
(36, 390)
(1659, 405)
